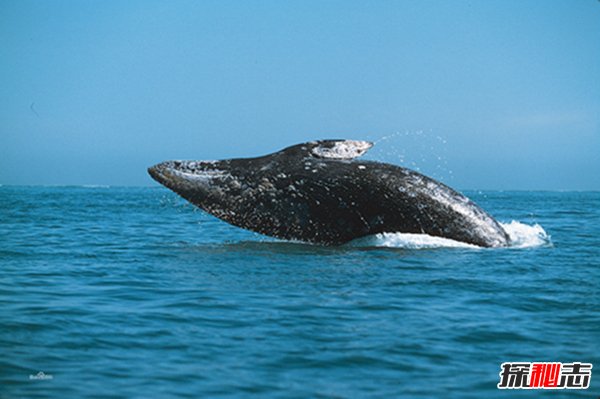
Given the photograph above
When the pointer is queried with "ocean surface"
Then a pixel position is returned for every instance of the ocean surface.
(133, 293)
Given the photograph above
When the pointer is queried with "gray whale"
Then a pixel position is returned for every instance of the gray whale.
(319, 192)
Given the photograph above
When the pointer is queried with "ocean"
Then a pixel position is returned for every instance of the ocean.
(110, 292)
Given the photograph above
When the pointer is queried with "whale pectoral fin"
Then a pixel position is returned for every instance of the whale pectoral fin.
(339, 149)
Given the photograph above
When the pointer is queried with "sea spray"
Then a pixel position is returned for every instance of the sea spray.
(521, 236)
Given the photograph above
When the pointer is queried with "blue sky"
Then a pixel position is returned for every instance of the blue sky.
(479, 94)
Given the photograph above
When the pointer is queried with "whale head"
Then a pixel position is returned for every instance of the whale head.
(198, 178)
(185, 176)
(251, 192)
(212, 185)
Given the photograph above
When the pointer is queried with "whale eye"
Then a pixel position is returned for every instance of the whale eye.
(340, 149)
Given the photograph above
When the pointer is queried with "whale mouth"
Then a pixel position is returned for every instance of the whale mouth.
(156, 172)
(164, 173)
(181, 176)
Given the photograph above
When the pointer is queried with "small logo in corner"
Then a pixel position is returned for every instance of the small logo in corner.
(41, 376)
(541, 375)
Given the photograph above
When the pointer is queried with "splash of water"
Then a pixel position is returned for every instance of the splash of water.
(526, 236)
(422, 151)
(408, 241)
(521, 236)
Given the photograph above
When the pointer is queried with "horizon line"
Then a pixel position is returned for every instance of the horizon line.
(557, 190)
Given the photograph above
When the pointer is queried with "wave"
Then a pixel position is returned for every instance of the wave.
(408, 241)
(526, 236)
(521, 236)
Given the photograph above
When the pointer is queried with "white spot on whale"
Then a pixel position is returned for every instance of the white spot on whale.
(346, 149)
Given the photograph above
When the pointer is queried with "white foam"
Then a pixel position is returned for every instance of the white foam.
(409, 241)
(521, 236)
(526, 236)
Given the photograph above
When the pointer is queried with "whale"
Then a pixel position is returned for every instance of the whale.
(320, 192)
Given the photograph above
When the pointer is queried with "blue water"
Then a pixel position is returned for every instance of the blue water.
(131, 292)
